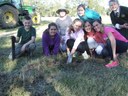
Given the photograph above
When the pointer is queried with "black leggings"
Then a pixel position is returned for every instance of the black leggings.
(82, 47)
(121, 47)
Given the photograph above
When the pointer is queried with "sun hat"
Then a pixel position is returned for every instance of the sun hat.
(61, 10)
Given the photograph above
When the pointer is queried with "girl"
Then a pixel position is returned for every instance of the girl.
(87, 14)
(51, 40)
(115, 42)
(93, 39)
(75, 40)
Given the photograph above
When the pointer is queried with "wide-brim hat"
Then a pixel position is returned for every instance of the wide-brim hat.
(62, 10)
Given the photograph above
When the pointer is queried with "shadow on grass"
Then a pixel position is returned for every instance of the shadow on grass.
(18, 78)
(29, 81)
(4, 51)
(7, 66)
(40, 75)
(92, 78)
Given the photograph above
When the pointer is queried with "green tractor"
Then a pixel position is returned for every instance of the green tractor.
(13, 11)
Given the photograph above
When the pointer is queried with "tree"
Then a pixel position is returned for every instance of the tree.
(49, 7)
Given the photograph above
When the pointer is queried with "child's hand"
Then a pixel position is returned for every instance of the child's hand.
(126, 25)
(115, 57)
(13, 38)
(23, 48)
(68, 53)
(69, 60)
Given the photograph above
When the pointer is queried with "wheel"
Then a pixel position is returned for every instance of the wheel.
(36, 19)
(8, 16)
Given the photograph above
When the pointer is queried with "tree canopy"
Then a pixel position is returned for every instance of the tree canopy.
(49, 7)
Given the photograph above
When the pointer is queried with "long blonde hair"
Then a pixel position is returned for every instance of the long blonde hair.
(71, 28)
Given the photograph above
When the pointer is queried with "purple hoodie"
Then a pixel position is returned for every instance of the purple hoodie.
(47, 41)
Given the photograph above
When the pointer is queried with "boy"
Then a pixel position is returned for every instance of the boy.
(63, 22)
(25, 38)
(119, 17)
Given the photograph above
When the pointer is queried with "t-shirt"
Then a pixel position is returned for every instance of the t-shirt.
(116, 34)
(63, 25)
(26, 35)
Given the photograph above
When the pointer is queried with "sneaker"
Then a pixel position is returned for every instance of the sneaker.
(85, 55)
(69, 59)
(113, 64)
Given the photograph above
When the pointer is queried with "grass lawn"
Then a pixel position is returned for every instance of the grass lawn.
(51, 76)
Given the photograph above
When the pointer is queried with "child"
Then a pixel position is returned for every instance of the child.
(119, 17)
(51, 40)
(86, 14)
(26, 35)
(115, 42)
(75, 40)
(63, 23)
(93, 39)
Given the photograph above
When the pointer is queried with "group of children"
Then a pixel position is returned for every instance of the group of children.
(85, 35)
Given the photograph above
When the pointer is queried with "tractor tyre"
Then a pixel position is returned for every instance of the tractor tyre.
(8, 16)
(36, 18)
